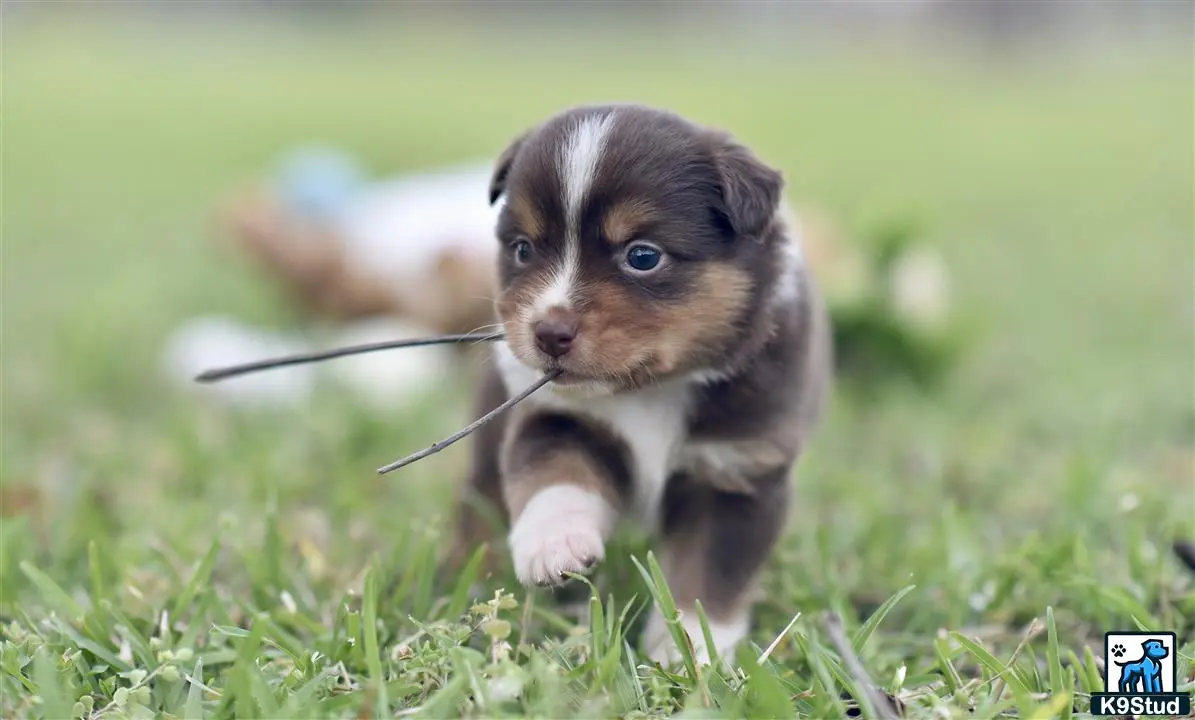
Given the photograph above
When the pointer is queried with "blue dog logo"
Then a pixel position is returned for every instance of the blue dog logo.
(1143, 675)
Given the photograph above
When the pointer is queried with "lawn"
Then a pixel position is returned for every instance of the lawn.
(164, 556)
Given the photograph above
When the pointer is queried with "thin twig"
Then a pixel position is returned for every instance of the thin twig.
(234, 370)
(440, 445)
(833, 625)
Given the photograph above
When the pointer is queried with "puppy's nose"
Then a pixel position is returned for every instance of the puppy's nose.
(555, 333)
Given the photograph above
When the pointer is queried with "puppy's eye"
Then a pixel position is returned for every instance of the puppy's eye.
(643, 258)
(523, 251)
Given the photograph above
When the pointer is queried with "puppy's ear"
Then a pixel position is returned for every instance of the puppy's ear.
(750, 189)
(502, 167)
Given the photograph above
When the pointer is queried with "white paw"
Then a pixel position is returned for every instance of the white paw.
(562, 530)
(658, 644)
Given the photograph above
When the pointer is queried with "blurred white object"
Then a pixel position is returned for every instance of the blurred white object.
(920, 291)
(389, 380)
(400, 227)
(428, 238)
(211, 342)
(384, 381)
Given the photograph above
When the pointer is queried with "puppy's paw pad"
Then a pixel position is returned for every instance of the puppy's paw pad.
(561, 530)
(542, 555)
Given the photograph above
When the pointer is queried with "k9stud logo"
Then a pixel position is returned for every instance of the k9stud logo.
(1141, 676)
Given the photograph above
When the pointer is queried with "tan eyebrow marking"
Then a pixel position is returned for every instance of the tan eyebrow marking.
(527, 217)
(624, 219)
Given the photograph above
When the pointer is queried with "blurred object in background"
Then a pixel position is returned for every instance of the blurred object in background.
(418, 246)
(419, 250)
(386, 382)
(895, 325)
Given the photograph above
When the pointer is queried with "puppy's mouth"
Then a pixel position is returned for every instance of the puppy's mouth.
(574, 377)
(585, 366)
(572, 383)
(569, 375)
(576, 380)
(571, 378)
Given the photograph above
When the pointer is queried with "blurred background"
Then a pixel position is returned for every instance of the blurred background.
(1041, 151)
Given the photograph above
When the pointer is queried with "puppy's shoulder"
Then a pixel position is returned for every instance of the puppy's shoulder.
(783, 388)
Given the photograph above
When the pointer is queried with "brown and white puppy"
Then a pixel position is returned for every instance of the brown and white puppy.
(648, 259)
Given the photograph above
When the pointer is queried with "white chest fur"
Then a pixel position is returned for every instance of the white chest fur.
(651, 422)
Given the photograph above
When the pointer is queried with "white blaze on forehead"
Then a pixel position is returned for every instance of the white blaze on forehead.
(580, 154)
(579, 158)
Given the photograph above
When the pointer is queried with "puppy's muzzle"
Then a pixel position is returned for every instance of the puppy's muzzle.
(555, 333)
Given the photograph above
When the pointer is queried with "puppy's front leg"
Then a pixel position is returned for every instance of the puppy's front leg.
(563, 481)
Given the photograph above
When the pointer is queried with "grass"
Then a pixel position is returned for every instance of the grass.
(163, 557)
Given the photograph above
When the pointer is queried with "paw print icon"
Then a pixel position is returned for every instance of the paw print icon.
(1118, 650)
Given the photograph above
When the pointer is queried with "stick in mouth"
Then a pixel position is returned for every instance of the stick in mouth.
(224, 373)
(472, 427)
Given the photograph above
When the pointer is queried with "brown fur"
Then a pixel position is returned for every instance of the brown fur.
(530, 469)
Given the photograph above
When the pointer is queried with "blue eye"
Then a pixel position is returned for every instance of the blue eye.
(643, 257)
(523, 252)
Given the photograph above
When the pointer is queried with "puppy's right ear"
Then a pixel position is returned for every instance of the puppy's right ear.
(750, 189)
(502, 168)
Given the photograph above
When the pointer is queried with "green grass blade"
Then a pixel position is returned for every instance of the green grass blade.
(1069, 694)
(55, 703)
(194, 706)
(128, 630)
(55, 597)
(865, 631)
(460, 592)
(666, 604)
(240, 682)
(302, 698)
(373, 657)
(989, 661)
(1095, 678)
(823, 675)
(949, 674)
(597, 625)
(1053, 660)
(198, 580)
(768, 698)
(261, 692)
(1081, 675)
(99, 588)
(706, 635)
(91, 646)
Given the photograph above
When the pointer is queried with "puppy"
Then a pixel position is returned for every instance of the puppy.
(649, 260)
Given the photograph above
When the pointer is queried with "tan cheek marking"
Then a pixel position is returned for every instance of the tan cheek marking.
(623, 334)
(621, 330)
(716, 302)
(623, 220)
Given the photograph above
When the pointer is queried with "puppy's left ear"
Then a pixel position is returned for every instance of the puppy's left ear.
(750, 189)
(502, 167)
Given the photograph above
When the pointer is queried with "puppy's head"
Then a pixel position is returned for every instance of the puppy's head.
(635, 246)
